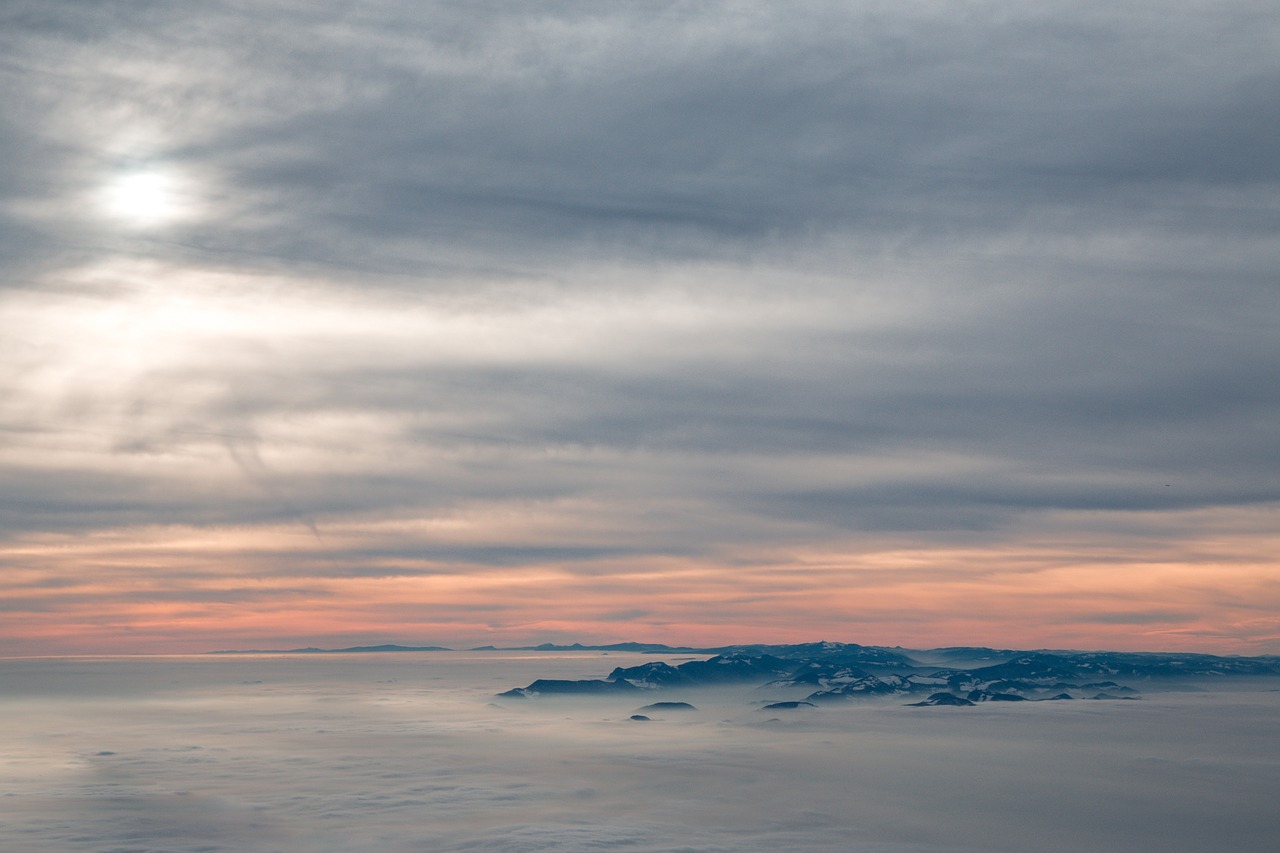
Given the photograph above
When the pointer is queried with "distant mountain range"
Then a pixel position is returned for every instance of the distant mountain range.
(314, 651)
(653, 648)
(839, 672)
(827, 672)
(650, 648)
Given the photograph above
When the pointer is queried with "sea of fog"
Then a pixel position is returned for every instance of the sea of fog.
(413, 752)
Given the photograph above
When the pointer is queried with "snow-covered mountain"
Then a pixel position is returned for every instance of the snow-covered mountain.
(843, 672)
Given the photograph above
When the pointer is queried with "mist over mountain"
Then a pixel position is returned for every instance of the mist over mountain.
(835, 672)
(404, 752)
(826, 672)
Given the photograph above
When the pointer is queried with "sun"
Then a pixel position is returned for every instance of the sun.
(144, 199)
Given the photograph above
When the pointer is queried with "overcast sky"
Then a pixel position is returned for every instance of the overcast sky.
(464, 323)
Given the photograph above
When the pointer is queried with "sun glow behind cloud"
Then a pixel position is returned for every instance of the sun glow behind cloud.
(147, 198)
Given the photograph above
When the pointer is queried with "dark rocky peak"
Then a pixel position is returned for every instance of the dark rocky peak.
(736, 666)
(666, 706)
(721, 669)
(558, 687)
(822, 673)
(652, 674)
(864, 688)
(1170, 664)
(1034, 666)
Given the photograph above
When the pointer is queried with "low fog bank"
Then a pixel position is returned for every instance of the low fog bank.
(413, 752)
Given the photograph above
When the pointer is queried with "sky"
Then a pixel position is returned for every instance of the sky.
(474, 323)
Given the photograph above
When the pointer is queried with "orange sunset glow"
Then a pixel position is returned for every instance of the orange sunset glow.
(172, 590)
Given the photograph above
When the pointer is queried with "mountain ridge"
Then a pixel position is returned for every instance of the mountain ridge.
(846, 672)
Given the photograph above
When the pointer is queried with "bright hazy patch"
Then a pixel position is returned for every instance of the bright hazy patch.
(144, 199)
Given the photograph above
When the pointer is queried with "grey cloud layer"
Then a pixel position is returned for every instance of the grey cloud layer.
(1024, 253)
(661, 128)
